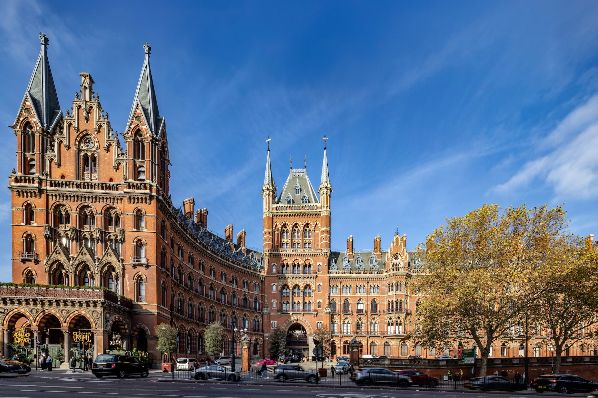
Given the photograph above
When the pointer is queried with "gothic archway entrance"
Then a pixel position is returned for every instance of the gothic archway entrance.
(297, 342)
(81, 342)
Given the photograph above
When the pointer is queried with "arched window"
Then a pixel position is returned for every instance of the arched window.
(111, 219)
(307, 292)
(387, 349)
(346, 327)
(332, 306)
(138, 147)
(29, 277)
(139, 289)
(223, 296)
(296, 291)
(84, 276)
(297, 188)
(285, 292)
(139, 219)
(28, 148)
(28, 247)
(110, 279)
(273, 268)
(295, 232)
(28, 215)
(374, 306)
(59, 275)
(88, 159)
(346, 306)
(304, 199)
(373, 348)
(62, 217)
(86, 218)
(140, 252)
(164, 295)
(289, 199)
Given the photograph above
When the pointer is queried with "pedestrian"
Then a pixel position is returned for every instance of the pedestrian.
(90, 364)
(332, 371)
(49, 363)
(517, 378)
(264, 369)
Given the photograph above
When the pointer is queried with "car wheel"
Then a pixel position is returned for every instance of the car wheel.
(144, 373)
(197, 376)
(232, 377)
(312, 379)
(98, 376)
(282, 378)
(563, 390)
(434, 383)
(121, 374)
(403, 383)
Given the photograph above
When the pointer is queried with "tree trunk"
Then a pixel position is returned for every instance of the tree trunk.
(484, 364)
(558, 353)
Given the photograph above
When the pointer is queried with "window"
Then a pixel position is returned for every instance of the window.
(387, 349)
(289, 199)
(297, 188)
(374, 306)
(346, 306)
(332, 306)
(274, 288)
(88, 159)
(29, 277)
(164, 295)
(319, 325)
(59, 276)
(28, 139)
(139, 289)
(109, 279)
(360, 306)
(138, 147)
(346, 327)
(28, 216)
(273, 324)
(86, 218)
(139, 252)
(28, 247)
(373, 348)
(31, 167)
(273, 268)
(404, 350)
(139, 220)
(304, 199)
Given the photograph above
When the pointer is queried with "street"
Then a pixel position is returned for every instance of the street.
(60, 384)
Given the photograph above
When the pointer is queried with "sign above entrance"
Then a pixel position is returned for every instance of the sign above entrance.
(21, 336)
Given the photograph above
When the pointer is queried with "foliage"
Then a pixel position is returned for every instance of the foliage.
(323, 337)
(484, 271)
(167, 338)
(278, 343)
(567, 309)
(214, 338)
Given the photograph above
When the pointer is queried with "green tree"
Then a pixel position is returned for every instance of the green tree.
(324, 338)
(167, 338)
(567, 309)
(278, 343)
(482, 272)
(214, 338)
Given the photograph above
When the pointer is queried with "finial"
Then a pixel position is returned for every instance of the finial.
(305, 162)
(268, 141)
(397, 231)
(147, 48)
(43, 39)
(291, 162)
(325, 139)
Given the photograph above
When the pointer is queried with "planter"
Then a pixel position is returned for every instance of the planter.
(323, 372)
(166, 367)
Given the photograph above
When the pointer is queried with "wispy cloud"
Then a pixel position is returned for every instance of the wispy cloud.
(569, 160)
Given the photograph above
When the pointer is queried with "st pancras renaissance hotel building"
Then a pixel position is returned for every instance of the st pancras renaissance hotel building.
(101, 255)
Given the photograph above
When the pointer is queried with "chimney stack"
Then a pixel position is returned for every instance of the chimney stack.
(201, 217)
(228, 232)
(189, 207)
(377, 245)
(350, 246)
(241, 240)
(590, 241)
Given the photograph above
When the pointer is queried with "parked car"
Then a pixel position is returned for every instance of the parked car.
(293, 358)
(295, 372)
(267, 361)
(215, 372)
(419, 378)
(118, 365)
(444, 357)
(342, 367)
(488, 383)
(222, 361)
(368, 376)
(12, 367)
(186, 363)
(563, 383)
(346, 359)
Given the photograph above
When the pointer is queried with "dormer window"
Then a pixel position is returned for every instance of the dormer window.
(346, 262)
(289, 199)
(359, 262)
(373, 260)
(304, 199)
(297, 188)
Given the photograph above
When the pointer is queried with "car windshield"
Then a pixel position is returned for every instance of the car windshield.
(106, 358)
(182, 360)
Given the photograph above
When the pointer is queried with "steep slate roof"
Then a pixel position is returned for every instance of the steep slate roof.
(145, 96)
(297, 177)
(41, 90)
(337, 262)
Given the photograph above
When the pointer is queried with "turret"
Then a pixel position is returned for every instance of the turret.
(268, 197)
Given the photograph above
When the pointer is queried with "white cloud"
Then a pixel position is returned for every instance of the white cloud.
(569, 162)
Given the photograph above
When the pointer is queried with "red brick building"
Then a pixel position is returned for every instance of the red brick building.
(99, 247)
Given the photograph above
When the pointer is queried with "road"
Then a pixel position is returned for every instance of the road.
(47, 385)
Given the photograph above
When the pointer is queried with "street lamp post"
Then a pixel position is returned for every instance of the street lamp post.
(232, 344)
(525, 355)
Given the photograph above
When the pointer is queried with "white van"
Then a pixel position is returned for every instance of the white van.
(186, 363)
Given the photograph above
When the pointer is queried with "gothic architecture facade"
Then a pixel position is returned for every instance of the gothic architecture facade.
(94, 224)
(101, 255)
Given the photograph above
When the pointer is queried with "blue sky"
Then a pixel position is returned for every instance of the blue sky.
(432, 108)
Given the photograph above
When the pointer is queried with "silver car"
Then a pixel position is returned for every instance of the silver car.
(383, 376)
(295, 372)
(215, 372)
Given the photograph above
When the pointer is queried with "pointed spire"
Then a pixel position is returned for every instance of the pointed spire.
(268, 180)
(145, 96)
(41, 89)
(325, 176)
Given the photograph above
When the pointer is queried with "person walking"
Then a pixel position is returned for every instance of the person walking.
(49, 362)
(264, 369)
(332, 371)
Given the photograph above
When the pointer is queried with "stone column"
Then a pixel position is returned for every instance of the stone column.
(36, 343)
(4, 343)
(67, 350)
